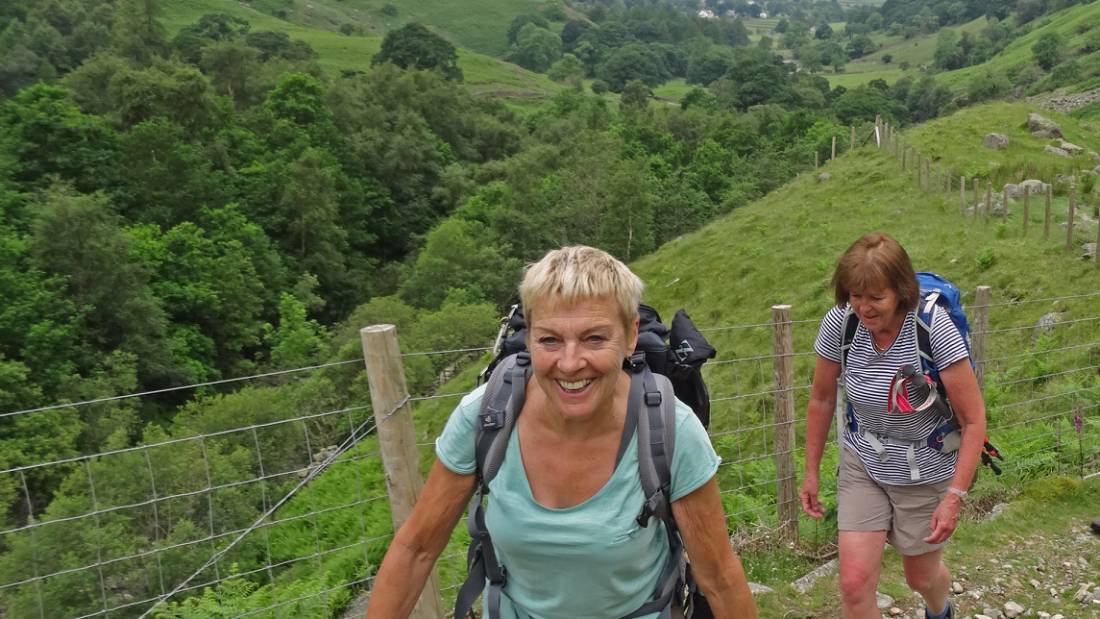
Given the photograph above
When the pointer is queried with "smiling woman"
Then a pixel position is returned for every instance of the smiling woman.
(563, 508)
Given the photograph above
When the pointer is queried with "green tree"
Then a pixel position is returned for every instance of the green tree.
(1047, 51)
(137, 32)
(230, 65)
(45, 134)
(80, 239)
(635, 95)
(569, 68)
(535, 48)
(633, 62)
(310, 208)
(161, 177)
(708, 64)
(297, 340)
(414, 46)
(461, 254)
(519, 21)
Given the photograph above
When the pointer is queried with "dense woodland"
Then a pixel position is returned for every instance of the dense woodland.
(184, 207)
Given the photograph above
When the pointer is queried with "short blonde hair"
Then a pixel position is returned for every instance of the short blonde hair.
(874, 260)
(576, 273)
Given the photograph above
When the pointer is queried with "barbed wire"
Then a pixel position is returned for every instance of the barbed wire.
(348, 443)
(123, 450)
(735, 327)
(1038, 328)
(1013, 302)
(210, 383)
(1047, 351)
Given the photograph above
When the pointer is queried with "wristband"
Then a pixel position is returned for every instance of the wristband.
(959, 493)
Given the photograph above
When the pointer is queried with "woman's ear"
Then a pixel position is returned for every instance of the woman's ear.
(632, 335)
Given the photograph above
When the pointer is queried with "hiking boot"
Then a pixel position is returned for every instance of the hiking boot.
(948, 613)
(1096, 526)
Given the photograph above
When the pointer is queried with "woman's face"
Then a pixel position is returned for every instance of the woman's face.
(577, 353)
(876, 307)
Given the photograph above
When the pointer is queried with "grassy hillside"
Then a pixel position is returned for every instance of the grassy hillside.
(915, 53)
(479, 25)
(338, 52)
(1073, 25)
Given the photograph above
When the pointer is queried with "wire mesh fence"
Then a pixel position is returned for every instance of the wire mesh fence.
(229, 511)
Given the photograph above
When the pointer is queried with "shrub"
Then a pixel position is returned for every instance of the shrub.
(389, 10)
(887, 58)
(599, 87)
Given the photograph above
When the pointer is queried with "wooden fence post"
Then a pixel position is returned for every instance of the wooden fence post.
(989, 200)
(1097, 253)
(397, 440)
(1046, 215)
(1071, 212)
(852, 137)
(833, 156)
(904, 153)
(786, 494)
(817, 159)
(962, 195)
(977, 197)
(1004, 204)
(1027, 207)
(981, 329)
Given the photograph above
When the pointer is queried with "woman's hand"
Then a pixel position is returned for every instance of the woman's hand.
(945, 519)
(808, 496)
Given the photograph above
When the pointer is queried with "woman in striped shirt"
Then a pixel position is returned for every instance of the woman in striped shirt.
(892, 487)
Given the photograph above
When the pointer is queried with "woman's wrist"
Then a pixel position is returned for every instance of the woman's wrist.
(962, 494)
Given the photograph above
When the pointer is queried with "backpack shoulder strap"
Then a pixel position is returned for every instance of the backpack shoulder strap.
(848, 326)
(500, 406)
(656, 445)
(924, 315)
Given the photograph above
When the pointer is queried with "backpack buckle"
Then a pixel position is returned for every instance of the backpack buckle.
(653, 398)
(492, 419)
(635, 363)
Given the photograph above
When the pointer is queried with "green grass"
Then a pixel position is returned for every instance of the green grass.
(956, 143)
(917, 52)
(337, 52)
(1067, 24)
(479, 25)
(673, 90)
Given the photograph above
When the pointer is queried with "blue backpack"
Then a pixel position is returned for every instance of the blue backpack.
(934, 290)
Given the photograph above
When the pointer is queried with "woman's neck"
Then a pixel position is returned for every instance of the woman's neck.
(884, 337)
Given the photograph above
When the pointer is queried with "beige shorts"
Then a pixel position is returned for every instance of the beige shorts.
(904, 512)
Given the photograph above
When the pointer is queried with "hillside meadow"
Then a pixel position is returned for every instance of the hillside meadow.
(336, 52)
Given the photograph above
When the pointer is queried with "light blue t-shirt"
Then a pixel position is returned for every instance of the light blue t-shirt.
(590, 560)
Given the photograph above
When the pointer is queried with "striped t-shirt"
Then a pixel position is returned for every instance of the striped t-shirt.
(867, 378)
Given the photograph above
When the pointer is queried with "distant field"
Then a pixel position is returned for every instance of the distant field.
(673, 90)
(337, 52)
(917, 51)
(479, 25)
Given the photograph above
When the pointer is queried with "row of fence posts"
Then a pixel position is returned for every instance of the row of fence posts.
(401, 460)
(911, 158)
